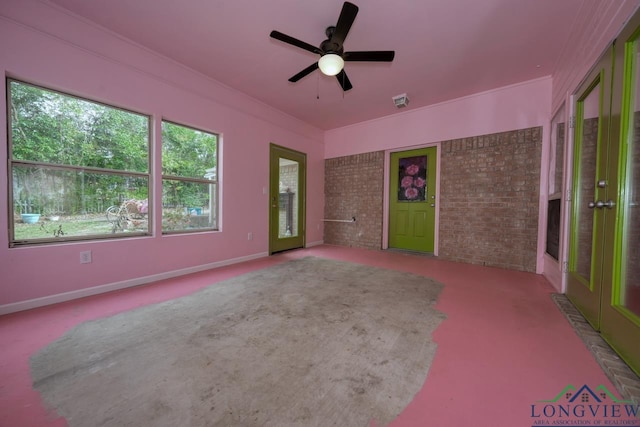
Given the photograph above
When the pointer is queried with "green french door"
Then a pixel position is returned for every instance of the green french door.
(620, 319)
(412, 200)
(590, 187)
(287, 185)
(604, 261)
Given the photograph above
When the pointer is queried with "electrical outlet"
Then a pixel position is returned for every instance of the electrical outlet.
(85, 257)
(250, 236)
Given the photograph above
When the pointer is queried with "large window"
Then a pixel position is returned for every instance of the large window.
(78, 169)
(189, 179)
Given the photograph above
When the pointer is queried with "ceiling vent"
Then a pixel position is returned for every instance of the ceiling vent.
(401, 101)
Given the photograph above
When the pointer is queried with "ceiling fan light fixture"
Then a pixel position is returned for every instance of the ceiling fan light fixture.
(331, 64)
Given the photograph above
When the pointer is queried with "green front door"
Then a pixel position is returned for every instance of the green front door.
(412, 200)
(287, 185)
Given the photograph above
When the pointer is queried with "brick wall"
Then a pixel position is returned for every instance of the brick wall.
(489, 194)
(354, 187)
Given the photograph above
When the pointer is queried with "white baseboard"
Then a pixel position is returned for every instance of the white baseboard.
(109, 287)
(316, 243)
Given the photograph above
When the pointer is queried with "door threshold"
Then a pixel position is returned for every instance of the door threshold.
(285, 250)
(618, 372)
(411, 252)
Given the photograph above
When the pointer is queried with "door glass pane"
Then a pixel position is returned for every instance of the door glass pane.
(631, 280)
(288, 198)
(412, 179)
(585, 185)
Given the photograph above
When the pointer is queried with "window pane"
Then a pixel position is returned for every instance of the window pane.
(188, 155)
(51, 127)
(556, 163)
(72, 203)
(553, 228)
(188, 205)
(188, 152)
(556, 158)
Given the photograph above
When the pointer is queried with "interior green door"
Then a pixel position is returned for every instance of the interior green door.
(412, 199)
(590, 175)
(287, 184)
(620, 324)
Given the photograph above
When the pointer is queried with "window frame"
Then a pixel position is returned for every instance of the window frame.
(12, 162)
(556, 165)
(215, 189)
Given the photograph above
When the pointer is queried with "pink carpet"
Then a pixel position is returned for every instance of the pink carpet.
(503, 347)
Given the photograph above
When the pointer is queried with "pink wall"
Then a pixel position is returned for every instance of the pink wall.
(518, 106)
(53, 49)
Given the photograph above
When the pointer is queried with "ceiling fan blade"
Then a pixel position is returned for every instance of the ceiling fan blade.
(344, 81)
(347, 16)
(295, 42)
(311, 68)
(372, 55)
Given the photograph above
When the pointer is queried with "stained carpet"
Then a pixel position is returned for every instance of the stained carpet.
(310, 342)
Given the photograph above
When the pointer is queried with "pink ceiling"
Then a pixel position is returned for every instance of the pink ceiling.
(444, 48)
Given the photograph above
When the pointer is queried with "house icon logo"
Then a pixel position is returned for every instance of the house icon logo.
(585, 406)
(586, 395)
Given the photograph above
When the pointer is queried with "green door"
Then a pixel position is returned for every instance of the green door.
(604, 262)
(287, 184)
(620, 318)
(412, 200)
(590, 173)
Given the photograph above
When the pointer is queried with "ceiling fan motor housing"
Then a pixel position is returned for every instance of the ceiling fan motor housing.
(329, 46)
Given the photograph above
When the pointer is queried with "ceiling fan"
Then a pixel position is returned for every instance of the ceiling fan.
(331, 51)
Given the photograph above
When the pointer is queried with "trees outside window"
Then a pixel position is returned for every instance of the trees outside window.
(81, 170)
(70, 160)
(189, 179)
